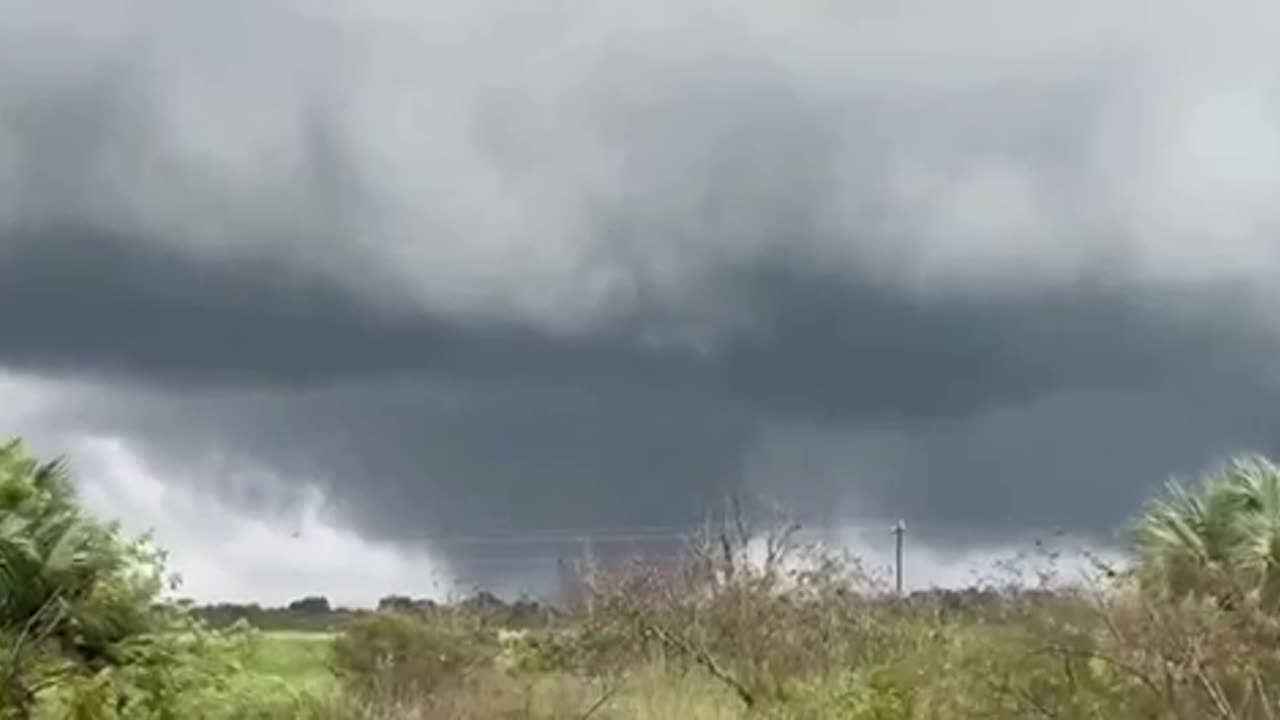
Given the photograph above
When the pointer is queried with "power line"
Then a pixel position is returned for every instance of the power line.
(642, 541)
(613, 534)
(550, 559)
(565, 536)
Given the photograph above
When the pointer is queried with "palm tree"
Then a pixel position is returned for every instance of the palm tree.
(1221, 540)
(1252, 487)
(68, 583)
(41, 535)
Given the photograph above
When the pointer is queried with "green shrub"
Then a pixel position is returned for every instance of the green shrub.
(392, 655)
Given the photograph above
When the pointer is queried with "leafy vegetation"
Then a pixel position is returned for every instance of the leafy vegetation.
(755, 623)
(1222, 541)
(73, 591)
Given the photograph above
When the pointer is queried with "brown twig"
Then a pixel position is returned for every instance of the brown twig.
(599, 703)
(703, 658)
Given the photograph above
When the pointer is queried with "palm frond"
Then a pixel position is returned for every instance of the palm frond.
(1229, 528)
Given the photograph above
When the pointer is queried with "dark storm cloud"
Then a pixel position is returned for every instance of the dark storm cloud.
(1082, 461)
(423, 428)
(821, 348)
(973, 276)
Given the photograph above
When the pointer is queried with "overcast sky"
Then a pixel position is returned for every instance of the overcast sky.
(333, 294)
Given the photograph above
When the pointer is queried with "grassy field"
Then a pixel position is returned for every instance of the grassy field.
(300, 659)
(745, 656)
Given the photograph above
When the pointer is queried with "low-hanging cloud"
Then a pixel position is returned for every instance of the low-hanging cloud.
(489, 266)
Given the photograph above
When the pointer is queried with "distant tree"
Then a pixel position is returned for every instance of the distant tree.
(395, 602)
(483, 601)
(316, 604)
(404, 603)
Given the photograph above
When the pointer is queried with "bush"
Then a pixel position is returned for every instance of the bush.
(763, 613)
(188, 672)
(73, 590)
(406, 658)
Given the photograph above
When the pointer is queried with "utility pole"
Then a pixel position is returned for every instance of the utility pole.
(899, 530)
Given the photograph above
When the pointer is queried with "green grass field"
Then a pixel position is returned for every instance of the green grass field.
(301, 659)
(289, 665)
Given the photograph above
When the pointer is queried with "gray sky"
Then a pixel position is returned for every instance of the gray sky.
(406, 273)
